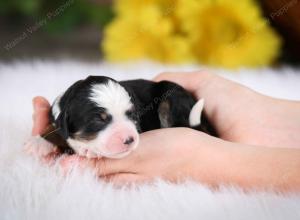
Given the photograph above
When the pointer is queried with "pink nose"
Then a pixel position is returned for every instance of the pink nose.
(120, 143)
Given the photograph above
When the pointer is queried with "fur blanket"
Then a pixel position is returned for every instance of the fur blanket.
(29, 190)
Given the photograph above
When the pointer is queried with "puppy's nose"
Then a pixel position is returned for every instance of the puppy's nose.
(129, 140)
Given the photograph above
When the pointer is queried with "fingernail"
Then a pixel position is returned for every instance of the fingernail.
(40, 106)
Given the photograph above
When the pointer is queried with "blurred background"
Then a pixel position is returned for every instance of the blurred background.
(222, 33)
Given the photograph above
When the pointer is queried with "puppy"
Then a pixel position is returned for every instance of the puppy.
(101, 117)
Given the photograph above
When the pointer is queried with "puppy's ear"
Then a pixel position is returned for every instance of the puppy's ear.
(62, 124)
(61, 121)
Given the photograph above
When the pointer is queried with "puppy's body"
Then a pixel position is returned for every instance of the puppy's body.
(99, 116)
(159, 105)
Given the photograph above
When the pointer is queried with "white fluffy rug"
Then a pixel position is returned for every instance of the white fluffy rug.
(29, 190)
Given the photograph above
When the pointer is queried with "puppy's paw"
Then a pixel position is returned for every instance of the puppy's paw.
(39, 147)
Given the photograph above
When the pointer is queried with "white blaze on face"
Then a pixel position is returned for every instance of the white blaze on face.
(110, 142)
(111, 96)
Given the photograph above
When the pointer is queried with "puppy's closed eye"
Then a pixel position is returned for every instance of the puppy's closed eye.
(98, 122)
(94, 126)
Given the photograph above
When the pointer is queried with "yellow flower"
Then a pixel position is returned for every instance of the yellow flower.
(228, 33)
(131, 7)
(145, 33)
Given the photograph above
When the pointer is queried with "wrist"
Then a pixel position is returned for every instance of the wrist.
(209, 156)
(273, 123)
(248, 167)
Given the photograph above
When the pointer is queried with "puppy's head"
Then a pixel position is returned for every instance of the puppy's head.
(97, 117)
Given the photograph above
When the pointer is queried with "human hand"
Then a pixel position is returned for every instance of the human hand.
(196, 156)
(37, 146)
(240, 114)
(40, 116)
(191, 155)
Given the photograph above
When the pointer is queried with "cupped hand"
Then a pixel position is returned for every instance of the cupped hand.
(240, 114)
(191, 155)
(159, 154)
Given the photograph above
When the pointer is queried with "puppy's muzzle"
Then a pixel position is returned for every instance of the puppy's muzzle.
(121, 142)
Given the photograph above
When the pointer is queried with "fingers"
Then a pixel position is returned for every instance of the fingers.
(113, 174)
(68, 162)
(102, 167)
(126, 179)
(107, 166)
(191, 81)
(138, 160)
(40, 116)
(50, 158)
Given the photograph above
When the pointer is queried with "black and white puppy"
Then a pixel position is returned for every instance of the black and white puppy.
(100, 116)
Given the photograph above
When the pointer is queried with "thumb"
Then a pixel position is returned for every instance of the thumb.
(41, 109)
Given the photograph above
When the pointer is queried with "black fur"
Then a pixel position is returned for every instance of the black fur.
(148, 96)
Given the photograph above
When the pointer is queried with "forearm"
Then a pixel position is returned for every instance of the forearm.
(252, 167)
(271, 122)
(287, 110)
(280, 123)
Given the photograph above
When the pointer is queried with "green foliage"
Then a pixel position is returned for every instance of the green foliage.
(66, 14)
(80, 12)
(23, 7)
